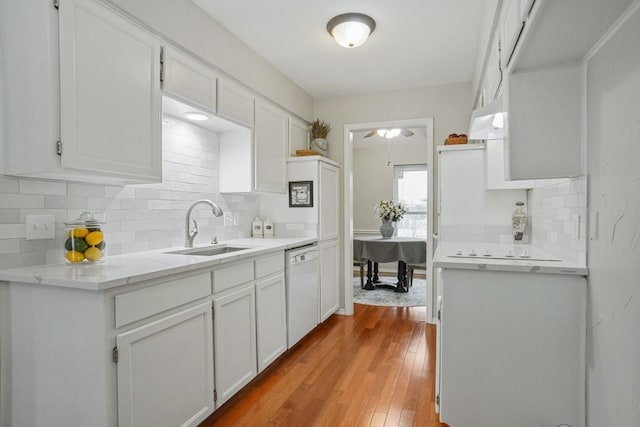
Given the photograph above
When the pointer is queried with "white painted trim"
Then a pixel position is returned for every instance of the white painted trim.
(347, 169)
(622, 19)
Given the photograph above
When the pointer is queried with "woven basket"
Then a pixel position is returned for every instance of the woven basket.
(306, 153)
(456, 140)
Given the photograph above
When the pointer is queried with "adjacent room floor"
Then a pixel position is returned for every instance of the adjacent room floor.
(375, 368)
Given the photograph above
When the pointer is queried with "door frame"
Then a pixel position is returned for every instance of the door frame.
(347, 203)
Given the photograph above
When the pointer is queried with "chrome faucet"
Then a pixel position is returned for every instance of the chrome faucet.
(189, 234)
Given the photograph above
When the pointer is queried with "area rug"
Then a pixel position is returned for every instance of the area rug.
(417, 294)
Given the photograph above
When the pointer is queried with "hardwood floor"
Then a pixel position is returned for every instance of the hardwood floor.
(375, 368)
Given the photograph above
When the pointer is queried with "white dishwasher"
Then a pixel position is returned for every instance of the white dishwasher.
(302, 281)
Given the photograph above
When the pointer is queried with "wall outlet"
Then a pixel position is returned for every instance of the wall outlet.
(236, 218)
(228, 219)
(576, 227)
(39, 227)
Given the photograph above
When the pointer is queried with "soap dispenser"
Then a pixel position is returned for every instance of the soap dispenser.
(256, 227)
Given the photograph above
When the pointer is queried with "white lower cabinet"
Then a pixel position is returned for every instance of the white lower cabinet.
(271, 316)
(234, 334)
(512, 349)
(165, 371)
(329, 275)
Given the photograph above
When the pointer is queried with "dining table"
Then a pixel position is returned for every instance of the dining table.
(376, 249)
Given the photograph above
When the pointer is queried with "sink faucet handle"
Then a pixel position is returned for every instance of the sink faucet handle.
(214, 240)
(194, 231)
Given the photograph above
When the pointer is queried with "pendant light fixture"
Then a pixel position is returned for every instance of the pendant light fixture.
(351, 29)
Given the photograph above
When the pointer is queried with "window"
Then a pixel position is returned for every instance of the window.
(410, 187)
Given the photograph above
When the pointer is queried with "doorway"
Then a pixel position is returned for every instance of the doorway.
(351, 131)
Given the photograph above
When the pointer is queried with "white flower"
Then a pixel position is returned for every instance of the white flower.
(386, 209)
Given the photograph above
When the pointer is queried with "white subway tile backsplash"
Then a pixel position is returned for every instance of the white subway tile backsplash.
(29, 186)
(12, 231)
(139, 217)
(21, 201)
(9, 216)
(552, 212)
(9, 185)
(8, 246)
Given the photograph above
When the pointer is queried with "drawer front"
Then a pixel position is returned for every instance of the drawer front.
(228, 277)
(269, 265)
(146, 302)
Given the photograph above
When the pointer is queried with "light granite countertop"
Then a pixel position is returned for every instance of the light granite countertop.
(136, 267)
(457, 255)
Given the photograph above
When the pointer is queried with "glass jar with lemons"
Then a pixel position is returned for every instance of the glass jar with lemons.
(84, 240)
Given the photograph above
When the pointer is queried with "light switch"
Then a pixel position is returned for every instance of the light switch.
(39, 227)
(228, 219)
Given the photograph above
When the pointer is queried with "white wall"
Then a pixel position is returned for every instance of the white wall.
(613, 151)
(139, 217)
(184, 23)
(373, 179)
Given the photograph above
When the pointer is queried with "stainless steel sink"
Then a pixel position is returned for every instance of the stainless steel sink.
(208, 251)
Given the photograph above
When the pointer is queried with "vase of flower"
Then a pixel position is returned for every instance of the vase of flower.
(319, 131)
(386, 229)
(389, 213)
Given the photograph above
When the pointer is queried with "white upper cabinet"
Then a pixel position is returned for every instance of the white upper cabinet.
(299, 135)
(271, 142)
(511, 26)
(109, 93)
(495, 169)
(189, 80)
(88, 77)
(543, 126)
(235, 103)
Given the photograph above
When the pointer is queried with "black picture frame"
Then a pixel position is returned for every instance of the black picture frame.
(300, 194)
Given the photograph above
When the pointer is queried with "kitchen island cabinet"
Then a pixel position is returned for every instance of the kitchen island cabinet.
(81, 93)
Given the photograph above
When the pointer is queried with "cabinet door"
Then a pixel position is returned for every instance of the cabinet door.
(234, 340)
(165, 371)
(328, 197)
(189, 80)
(271, 144)
(298, 136)
(329, 279)
(511, 27)
(553, 96)
(271, 320)
(234, 102)
(110, 96)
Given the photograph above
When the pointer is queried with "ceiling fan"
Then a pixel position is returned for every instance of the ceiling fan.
(389, 133)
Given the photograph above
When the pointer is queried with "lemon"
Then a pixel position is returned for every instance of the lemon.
(93, 254)
(94, 238)
(75, 256)
(78, 232)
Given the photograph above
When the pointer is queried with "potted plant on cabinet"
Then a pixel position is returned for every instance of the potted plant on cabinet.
(319, 131)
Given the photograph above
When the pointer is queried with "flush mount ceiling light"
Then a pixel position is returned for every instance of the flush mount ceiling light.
(351, 29)
(197, 117)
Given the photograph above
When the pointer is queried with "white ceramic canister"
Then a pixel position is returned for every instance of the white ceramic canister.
(267, 228)
(256, 227)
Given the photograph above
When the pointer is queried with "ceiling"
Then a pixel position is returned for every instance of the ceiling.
(416, 42)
